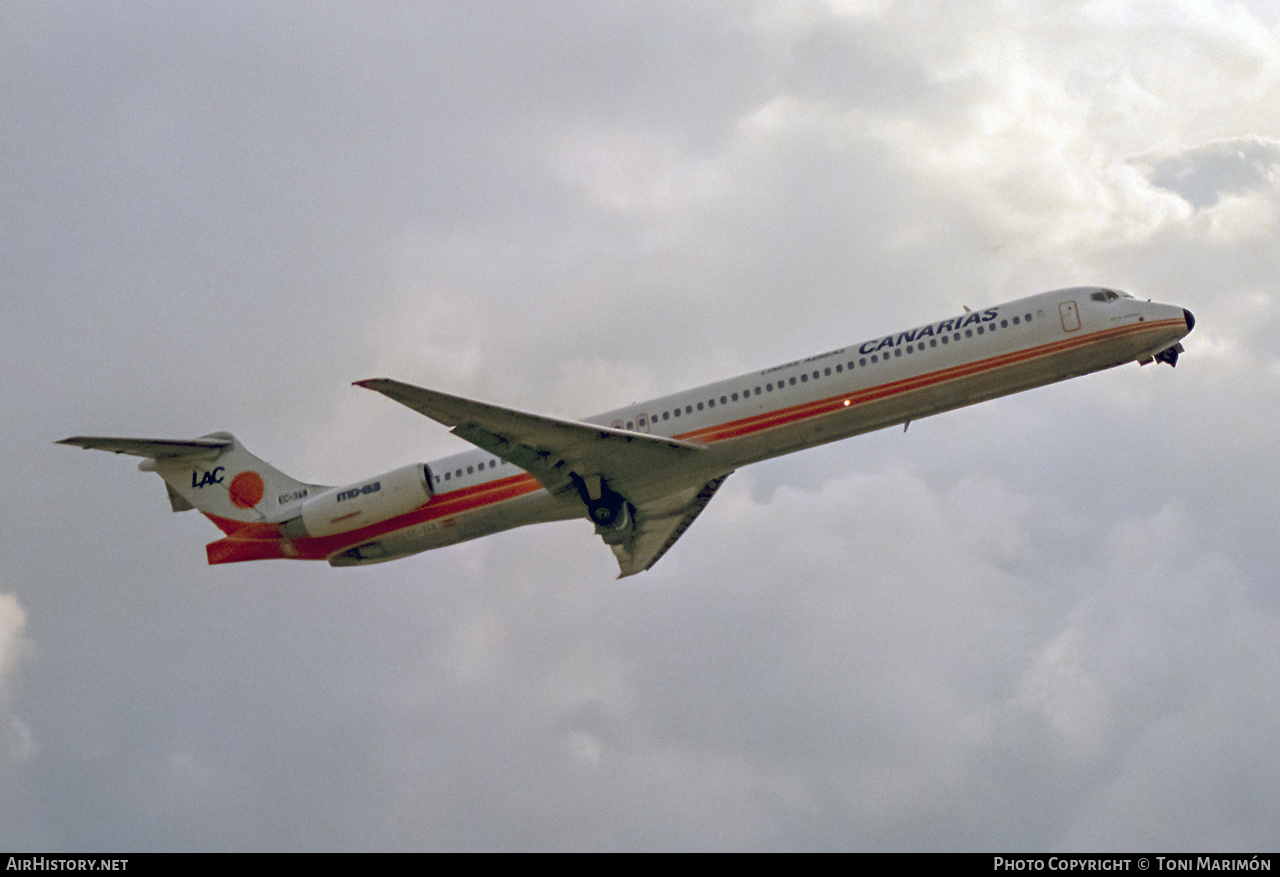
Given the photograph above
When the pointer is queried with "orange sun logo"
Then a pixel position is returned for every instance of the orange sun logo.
(247, 489)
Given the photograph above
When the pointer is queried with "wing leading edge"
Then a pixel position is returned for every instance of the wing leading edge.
(660, 482)
(155, 449)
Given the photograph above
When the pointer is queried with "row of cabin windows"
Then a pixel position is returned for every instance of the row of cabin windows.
(815, 375)
(768, 388)
(470, 470)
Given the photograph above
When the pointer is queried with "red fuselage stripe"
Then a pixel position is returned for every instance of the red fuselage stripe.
(471, 498)
(784, 416)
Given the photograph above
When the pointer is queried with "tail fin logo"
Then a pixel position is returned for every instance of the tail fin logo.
(247, 489)
(212, 476)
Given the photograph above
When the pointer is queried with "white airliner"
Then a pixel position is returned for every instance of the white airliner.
(642, 473)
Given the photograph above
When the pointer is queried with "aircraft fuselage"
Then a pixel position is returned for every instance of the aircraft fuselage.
(512, 479)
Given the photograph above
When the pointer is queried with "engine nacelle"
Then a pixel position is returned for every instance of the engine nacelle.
(358, 505)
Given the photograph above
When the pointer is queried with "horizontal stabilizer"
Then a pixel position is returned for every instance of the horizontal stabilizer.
(156, 449)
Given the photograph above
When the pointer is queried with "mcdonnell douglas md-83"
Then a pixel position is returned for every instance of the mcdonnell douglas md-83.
(641, 474)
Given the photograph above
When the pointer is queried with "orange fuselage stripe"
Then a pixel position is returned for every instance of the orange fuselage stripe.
(257, 538)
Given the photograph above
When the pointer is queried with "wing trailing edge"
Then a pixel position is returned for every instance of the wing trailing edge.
(656, 527)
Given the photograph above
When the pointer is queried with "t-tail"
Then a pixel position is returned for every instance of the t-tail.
(213, 474)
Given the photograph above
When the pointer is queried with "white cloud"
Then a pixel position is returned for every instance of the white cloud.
(14, 648)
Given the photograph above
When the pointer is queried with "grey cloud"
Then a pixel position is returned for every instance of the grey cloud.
(1040, 623)
(1204, 175)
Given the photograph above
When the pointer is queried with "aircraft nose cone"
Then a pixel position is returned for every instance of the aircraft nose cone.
(1191, 321)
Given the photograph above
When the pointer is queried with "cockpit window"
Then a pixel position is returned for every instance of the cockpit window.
(1105, 295)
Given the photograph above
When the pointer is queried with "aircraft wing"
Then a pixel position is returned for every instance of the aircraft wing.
(546, 447)
(658, 476)
(156, 449)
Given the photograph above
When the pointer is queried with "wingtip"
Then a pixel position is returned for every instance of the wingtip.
(76, 441)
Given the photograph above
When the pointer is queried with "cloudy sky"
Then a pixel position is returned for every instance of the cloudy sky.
(1051, 622)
